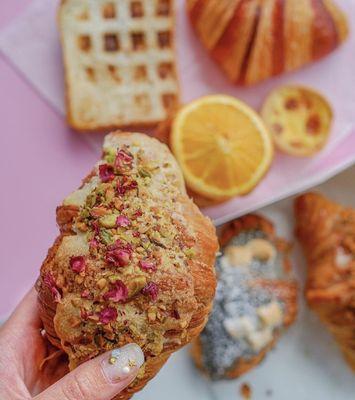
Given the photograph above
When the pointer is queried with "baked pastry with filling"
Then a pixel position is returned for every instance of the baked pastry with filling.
(253, 40)
(134, 261)
(256, 299)
(326, 231)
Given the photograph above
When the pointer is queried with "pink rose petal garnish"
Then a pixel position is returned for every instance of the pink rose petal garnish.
(93, 243)
(125, 184)
(108, 315)
(77, 264)
(119, 254)
(123, 160)
(51, 284)
(138, 213)
(152, 290)
(106, 173)
(149, 266)
(118, 257)
(122, 221)
(85, 294)
(118, 294)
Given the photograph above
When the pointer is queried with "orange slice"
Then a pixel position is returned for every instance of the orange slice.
(222, 146)
(299, 120)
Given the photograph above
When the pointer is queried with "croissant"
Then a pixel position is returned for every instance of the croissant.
(256, 299)
(326, 231)
(253, 40)
(134, 261)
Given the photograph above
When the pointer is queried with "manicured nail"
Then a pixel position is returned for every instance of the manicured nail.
(122, 363)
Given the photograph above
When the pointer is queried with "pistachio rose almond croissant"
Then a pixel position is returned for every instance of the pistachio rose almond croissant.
(134, 261)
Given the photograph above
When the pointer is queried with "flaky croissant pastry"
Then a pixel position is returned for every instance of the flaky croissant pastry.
(326, 231)
(134, 261)
(253, 40)
(256, 298)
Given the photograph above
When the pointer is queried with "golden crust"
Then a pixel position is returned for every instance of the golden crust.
(160, 326)
(285, 290)
(326, 231)
(253, 40)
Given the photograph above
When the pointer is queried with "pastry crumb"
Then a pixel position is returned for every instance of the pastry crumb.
(245, 391)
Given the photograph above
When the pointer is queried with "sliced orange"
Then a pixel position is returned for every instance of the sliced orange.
(222, 146)
(299, 120)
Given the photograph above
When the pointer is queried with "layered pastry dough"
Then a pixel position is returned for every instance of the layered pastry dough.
(134, 261)
(253, 40)
(256, 298)
(326, 231)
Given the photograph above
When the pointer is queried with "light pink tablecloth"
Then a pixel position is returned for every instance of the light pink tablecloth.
(42, 160)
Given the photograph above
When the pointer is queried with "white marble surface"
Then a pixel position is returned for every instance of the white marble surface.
(305, 365)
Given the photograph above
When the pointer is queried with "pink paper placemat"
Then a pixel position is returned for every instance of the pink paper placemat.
(31, 44)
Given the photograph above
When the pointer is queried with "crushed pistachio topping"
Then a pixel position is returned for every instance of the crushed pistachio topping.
(135, 236)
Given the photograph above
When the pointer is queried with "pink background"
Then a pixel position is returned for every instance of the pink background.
(42, 160)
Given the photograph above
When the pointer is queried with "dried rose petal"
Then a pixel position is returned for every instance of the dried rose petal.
(123, 159)
(85, 293)
(136, 234)
(138, 213)
(96, 227)
(77, 264)
(151, 289)
(122, 221)
(118, 257)
(108, 315)
(93, 243)
(118, 293)
(49, 281)
(125, 184)
(106, 172)
(149, 266)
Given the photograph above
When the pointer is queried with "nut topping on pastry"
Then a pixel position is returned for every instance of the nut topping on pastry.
(134, 261)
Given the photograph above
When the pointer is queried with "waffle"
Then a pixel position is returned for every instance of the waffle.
(119, 62)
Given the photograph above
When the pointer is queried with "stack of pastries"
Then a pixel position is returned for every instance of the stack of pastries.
(134, 261)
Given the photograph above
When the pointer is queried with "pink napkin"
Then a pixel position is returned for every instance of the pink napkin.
(31, 44)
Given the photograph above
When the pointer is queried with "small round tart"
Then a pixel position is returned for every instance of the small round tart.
(299, 120)
(222, 146)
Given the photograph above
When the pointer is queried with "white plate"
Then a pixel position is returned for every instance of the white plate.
(305, 365)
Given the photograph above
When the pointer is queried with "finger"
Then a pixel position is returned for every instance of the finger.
(26, 313)
(99, 379)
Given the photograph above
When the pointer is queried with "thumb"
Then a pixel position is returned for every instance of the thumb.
(99, 379)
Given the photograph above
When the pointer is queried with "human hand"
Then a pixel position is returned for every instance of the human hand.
(30, 368)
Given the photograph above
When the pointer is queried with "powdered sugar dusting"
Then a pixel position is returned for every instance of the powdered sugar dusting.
(235, 299)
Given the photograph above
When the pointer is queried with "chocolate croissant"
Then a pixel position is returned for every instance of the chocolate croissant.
(326, 231)
(256, 299)
(134, 261)
(253, 40)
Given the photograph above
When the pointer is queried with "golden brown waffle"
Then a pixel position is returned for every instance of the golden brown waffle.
(119, 62)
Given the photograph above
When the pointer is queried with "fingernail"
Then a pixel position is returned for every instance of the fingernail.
(122, 363)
